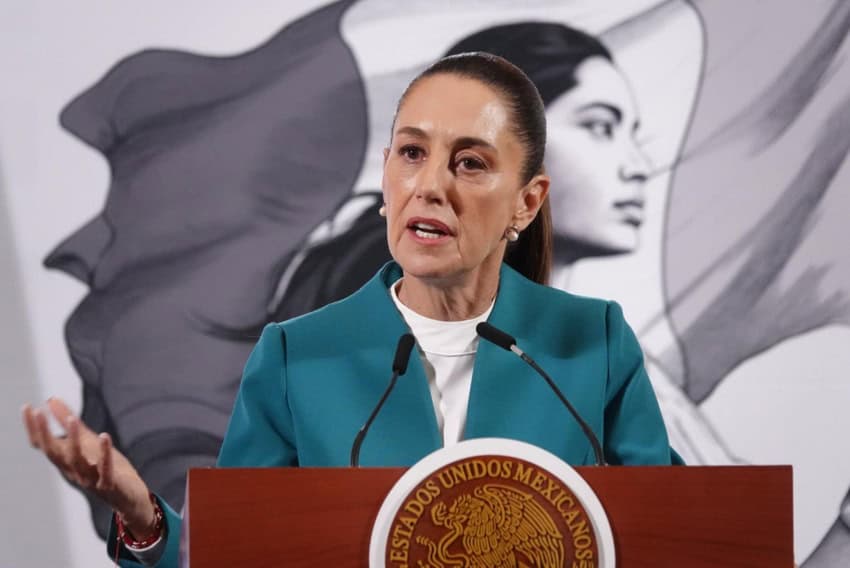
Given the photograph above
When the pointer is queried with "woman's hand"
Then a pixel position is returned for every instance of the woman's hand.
(89, 461)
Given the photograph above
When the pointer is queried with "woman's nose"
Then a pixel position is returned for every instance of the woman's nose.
(434, 182)
(80, 253)
(636, 166)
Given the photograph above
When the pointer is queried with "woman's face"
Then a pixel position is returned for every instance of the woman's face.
(452, 181)
(598, 171)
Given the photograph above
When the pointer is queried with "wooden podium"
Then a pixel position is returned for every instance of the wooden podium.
(690, 517)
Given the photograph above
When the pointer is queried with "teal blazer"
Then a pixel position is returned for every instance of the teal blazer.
(312, 381)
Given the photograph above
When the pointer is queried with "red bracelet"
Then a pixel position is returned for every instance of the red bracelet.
(129, 541)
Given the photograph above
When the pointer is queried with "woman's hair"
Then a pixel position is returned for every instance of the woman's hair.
(530, 64)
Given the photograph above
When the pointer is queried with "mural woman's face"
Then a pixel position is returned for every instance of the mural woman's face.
(598, 171)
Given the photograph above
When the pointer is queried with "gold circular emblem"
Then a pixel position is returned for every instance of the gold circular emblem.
(491, 511)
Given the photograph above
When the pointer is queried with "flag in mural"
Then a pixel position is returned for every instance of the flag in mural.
(698, 156)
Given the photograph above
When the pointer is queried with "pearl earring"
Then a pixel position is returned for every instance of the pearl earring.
(383, 210)
(512, 234)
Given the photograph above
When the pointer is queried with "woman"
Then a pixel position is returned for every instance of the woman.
(463, 177)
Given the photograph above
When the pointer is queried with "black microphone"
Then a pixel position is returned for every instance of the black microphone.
(508, 343)
(402, 356)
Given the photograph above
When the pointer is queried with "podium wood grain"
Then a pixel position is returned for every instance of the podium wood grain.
(691, 517)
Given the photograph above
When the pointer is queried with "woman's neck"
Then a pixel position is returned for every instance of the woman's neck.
(456, 302)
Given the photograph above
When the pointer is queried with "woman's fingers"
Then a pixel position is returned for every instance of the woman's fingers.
(59, 409)
(67, 452)
(72, 427)
(89, 460)
(105, 481)
(29, 424)
(83, 439)
(44, 439)
(38, 430)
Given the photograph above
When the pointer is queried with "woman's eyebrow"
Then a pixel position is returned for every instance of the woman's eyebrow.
(470, 141)
(412, 131)
(618, 114)
(462, 142)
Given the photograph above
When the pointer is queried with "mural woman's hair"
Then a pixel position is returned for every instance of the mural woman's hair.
(548, 53)
(531, 255)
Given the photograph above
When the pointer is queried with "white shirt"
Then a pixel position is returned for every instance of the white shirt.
(447, 350)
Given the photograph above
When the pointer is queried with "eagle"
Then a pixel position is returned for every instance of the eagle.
(498, 527)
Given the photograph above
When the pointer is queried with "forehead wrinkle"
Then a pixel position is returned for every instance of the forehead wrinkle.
(472, 115)
(452, 137)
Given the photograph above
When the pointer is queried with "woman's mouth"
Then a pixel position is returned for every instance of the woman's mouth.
(633, 220)
(631, 211)
(429, 229)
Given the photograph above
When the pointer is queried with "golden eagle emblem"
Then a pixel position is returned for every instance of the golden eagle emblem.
(498, 526)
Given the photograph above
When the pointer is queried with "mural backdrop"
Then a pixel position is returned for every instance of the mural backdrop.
(698, 155)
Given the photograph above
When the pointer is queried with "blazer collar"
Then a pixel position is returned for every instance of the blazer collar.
(407, 425)
(506, 396)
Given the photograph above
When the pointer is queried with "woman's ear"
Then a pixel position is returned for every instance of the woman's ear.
(530, 200)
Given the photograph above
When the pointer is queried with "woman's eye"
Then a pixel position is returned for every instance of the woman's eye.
(599, 128)
(470, 164)
(411, 152)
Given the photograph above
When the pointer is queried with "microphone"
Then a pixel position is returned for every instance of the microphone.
(402, 356)
(498, 337)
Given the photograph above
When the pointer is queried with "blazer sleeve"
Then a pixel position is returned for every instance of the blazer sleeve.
(634, 431)
(261, 431)
(169, 550)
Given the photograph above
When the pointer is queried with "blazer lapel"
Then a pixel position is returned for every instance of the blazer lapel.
(405, 430)
(508, 398)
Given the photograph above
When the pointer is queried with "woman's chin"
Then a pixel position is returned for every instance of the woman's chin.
(424, 266)
(426, 270)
